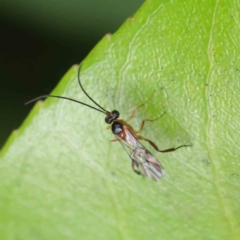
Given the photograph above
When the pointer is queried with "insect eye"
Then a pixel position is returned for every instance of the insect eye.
(115, 114)
(108, 119)
(117, 128)
(112, 116)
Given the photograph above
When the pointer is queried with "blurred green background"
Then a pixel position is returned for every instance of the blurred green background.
(41, 40)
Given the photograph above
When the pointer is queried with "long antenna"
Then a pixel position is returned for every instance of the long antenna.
(80, 84)
(70, 99)
(66, 98)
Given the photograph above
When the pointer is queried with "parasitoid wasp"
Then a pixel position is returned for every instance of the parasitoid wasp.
(143, 162)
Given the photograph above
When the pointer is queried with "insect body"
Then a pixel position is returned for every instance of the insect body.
(143, 162)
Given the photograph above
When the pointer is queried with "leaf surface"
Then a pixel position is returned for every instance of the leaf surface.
(61, 177)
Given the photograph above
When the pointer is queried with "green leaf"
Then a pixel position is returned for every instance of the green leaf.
(61, 177)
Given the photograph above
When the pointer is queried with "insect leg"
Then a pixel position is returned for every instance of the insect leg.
(147, 120)
(156, 147)
(114, 140)
(135, 110)
(133, 167)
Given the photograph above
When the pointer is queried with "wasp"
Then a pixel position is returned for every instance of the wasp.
(143, 161)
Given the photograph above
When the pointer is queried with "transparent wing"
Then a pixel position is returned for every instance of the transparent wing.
(143, 162)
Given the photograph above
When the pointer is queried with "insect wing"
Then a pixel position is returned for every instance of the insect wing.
(147, 164)
(143, 161)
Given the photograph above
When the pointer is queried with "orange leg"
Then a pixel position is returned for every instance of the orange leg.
(156, 147)
(135, 110)
(114, 140)
(147, 120)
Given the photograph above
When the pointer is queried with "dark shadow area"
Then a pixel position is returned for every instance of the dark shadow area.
(34, 57)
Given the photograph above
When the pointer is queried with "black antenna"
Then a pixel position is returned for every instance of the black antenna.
(80, 84)
(66, 98)
(70, 99)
